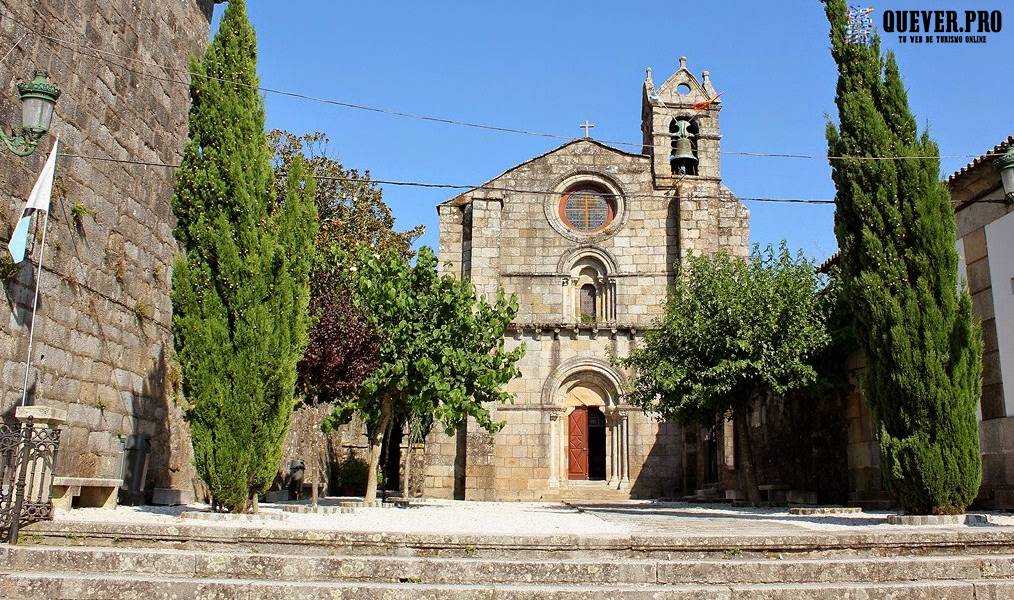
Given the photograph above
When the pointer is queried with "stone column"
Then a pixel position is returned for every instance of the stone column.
(44, 416)
(555, 425)
(611, 287)
(567, 307)
(614, 451)
(574, 303)
(609, 449)
(601, 300)
(625, 455)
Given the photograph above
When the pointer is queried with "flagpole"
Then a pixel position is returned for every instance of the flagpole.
(35, 304)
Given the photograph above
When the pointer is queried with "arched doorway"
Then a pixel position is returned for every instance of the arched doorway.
(589, 433)
(586, 433)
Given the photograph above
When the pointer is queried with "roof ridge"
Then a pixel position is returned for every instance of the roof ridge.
(456, 199)
(985, 156)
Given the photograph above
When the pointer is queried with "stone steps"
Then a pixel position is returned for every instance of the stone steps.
(594, 491)
(244, 561)
(42, 584)
(462, 571)
(250, 538)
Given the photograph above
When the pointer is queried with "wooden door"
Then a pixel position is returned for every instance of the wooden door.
(577, 444)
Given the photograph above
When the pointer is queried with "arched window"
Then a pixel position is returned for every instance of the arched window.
(588, 294)
(590, 297)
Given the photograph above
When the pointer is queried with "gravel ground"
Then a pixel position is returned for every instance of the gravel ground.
(429, 516)
(531, 518)
(722, 519)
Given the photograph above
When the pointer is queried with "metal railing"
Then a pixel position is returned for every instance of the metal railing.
(27, 455)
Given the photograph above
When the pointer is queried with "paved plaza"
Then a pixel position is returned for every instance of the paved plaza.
(532, 519)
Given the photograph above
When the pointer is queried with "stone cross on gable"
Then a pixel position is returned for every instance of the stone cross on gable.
(586, 126)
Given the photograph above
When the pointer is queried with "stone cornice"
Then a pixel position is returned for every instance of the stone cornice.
(558, 408)
(592, 329)
(568, 276)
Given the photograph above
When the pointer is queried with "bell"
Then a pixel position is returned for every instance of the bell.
(683, 150)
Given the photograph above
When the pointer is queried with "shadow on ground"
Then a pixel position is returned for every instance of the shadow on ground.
(701, 511)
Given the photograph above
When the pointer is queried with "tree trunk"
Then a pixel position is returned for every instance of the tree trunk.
(385, 459)
(406, 479)
(460, 460)
(254, 505)
(741, 423)
(314, 452)
(406, 476)
(376, 445)
(314, 476)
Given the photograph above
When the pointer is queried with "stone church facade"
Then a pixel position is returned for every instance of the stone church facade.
(587, 235)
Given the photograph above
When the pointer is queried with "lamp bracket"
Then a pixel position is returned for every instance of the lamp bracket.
(21, 145)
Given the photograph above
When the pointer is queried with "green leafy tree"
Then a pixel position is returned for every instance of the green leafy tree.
(895, 228)
(240, 289)
(342, 349)
(733, 332)
(441, 355)
(351, 208)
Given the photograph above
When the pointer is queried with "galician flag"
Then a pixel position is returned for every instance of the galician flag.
(37, 201)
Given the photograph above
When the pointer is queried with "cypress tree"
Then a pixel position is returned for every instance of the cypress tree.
(240, 289)
(895, 229)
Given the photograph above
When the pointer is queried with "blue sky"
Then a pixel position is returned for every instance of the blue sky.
(547, 66)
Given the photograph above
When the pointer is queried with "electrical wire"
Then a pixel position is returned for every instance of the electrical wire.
(443, 120)
(13, 48)
(487, 187)
(468, 186)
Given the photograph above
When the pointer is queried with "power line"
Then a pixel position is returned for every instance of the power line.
(14, 47)
(468, 186)
(485, 187)
(692, 196)
(351, 105)
(443, 120)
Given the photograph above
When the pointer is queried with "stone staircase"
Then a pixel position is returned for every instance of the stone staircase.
(153, 563)
(708, 495)
(590, 490)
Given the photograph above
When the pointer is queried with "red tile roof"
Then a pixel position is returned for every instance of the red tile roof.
(985, 158)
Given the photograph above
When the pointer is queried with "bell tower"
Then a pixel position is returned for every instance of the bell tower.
(679, 123)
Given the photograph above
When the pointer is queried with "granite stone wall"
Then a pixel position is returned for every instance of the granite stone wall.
(102, 330)
(977, 193)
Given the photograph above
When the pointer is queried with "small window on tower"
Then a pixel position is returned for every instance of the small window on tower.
(587, 209)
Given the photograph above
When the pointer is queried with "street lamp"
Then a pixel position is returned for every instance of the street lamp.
(38, 97)
(1006, 166)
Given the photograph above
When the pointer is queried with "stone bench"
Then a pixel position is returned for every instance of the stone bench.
(91, 492)
(773, 493)
(801, 497)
